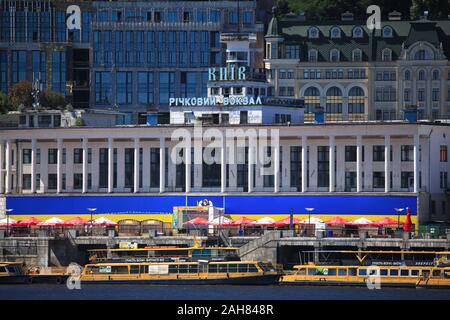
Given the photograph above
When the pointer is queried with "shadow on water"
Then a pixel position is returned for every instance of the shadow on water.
(158, 292)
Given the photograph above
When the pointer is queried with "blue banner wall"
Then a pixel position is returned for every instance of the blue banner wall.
(233, 204)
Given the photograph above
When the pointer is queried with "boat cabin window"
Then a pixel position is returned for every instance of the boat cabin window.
(266, 266)
(182, 268)
(404, 272)
(436, 273)
(342, 272)
(394, 273)
(362, 272)
(446, 273)
(252, 268)
(301, 271)
(134, 269)
(415, 272)
(352, 271)
(223, 268)
(144, 269)
(329, 271)
(173, 268)
(232, 268)
(212, 268)
(2, 269)
(242, 267)
(193, 268)
(383, 272)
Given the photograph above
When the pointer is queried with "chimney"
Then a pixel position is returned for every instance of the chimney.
(347, 16)
(395, 16)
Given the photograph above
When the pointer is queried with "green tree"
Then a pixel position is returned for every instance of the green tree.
(4, 103)
(52, 100)
(20, 94)
(437, 9)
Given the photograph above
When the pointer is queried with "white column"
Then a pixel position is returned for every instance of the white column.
(8, 167)
(59, 166)
(416, 162)
(110, 165)
(33, 165)
(187, 167)
(276, 168)
(162, 151)
(85, 165)
(223, 166)
(145, 167)
(332, 176)
(304, 163)
(387, 163)
(358, 163)
(136, 165)
(251, 161)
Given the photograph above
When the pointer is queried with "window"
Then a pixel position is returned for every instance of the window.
(407, 75)
(19, 64)
(145, 88)
(52, 181)
(387, 32)
(378, 179)
(387, 55)
(407, 153)
(102, 87)
(52, 156)
(312, 55)
(26, 156)
(421, 75)
(323, 167)
(356, 100)
(26, 181)
(407, 95)
(292, 52)
(357, 32)
(357, 55)
(421, 95)
(350, 153)
(313, 33)
(166, 86)
(77, 155)
(334, 55)
(334, 100)
(124, 87)
(435, 94)
(443, 179)
(407, 179)
(435, 74)
(296, 167)
(335, 32)
(443, 153)
(59, 71)
(378, 153)
(423, 54)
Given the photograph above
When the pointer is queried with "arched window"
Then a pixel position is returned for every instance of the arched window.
(335, 32)
(407, 75)
(423, 54)
(387, 54)
(387, 32)
(312, 99)
(334, 55)
(334, 100)
(356, 100)
(357, 32)
(313, 33)
(421, 75)
(435, 74)
(312, 55)
(357, 55)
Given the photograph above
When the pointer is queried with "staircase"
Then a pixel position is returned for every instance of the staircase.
(263, 248)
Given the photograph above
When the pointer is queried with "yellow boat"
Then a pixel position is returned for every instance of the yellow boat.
(401, 275)
(181, 273)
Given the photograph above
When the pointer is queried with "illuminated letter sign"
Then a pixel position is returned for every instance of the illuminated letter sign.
(74, 20)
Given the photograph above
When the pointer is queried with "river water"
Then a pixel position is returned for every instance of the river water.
(159, 292)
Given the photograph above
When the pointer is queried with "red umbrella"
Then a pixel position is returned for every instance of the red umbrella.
(386, 222)
(285, 222)
(337, 221)
(197, 221)
(243, 221)
(407, 227)
(75, 222)
(27, 222)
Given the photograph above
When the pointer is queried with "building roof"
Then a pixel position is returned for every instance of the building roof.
(372, 43)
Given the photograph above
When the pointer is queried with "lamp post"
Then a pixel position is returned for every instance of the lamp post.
(291, 219)
(91, 210)
(7, 211)
(399, 211)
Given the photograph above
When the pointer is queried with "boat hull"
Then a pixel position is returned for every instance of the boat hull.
(253, 280)
(35, 279)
